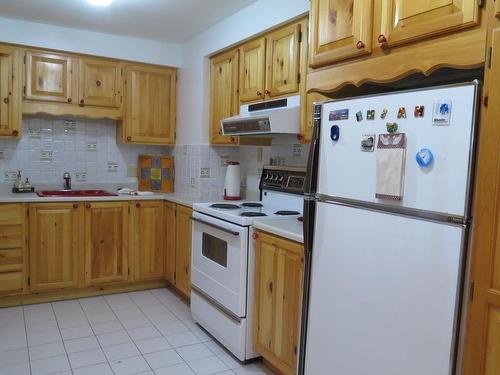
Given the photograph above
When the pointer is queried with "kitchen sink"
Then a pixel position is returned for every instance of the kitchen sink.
(75, 193)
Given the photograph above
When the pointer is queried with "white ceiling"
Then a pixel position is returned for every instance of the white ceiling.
(164, 20)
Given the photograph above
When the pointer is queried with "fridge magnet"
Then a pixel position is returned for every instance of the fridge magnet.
(339, 114)
(392, 127)
(368, 142)
(335, 133)
(442, 112)
(370, 114)
(384, 113)
(402, 112)
(424, 157)
(419, 111)
(359, 116)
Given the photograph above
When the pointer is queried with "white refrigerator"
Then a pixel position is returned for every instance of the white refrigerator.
(386, 223)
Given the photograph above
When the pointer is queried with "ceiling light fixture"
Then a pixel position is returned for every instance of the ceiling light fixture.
(100, 3)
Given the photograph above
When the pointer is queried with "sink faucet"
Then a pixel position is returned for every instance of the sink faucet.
(67, 181)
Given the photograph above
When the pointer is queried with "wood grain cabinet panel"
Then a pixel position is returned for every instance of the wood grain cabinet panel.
(340, 30)
(252, 70)
(106, 242)
(150, 105)
(147, 230)
(183, 250)
(279, 267)
(49, 77)
(169, 238)
(497, 9)
(493, 343)
(10, 111)
(55, 238)
(224, 98)
(403, 21)
(100, 82)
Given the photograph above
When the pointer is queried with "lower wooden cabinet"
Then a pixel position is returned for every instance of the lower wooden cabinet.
(183, 249)
(56, 247)
(279, 269)
(12, 249)
(106, 242)
(170, 242)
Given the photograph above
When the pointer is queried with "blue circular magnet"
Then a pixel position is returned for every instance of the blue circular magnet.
(424, 157)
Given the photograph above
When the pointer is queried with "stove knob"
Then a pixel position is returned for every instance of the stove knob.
(281, 179)
(276, 177)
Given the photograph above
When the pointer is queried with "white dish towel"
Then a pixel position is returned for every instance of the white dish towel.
(391, 157)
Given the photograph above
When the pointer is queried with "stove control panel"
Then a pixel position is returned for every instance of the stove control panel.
(285, 179)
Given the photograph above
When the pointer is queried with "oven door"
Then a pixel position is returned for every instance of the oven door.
(219, 262)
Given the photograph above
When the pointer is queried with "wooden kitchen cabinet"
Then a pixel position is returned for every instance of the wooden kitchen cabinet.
(12, 249)
(56, 245)
(150, 105)
(147, 230)
(49, 77)
(106, 242)
(224, 98)
(183, 250)
(339, 30)
(10, 92)
(170, 242)
(279, 269)
(252, 79)
(100, 82)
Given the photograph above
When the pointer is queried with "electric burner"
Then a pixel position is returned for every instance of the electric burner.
(252, 214)
(251, 204)
(225, 206)
(286, 213)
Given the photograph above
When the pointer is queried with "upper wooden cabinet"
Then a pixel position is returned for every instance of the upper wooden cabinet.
(49, 77)
(340, 29)
(224, 101)
(100, 82)
(252, 70)
(150, 98)
(404, 21)
(10, 92)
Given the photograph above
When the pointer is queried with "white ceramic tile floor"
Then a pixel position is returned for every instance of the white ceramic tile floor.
(148, 332)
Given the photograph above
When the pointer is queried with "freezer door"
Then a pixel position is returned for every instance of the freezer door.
(348, 172)
(382, 295)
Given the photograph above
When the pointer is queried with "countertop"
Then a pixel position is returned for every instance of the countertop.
(290, 229)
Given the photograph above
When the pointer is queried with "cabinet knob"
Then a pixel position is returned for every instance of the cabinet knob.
(382, 39)
(70, 100)
(138, 205)
(255, 235)
(75, 205)
(6, 100)
(300, 137)
(360, 45)
(88, 205)
(82, 103)
(232, 139)
(98, 83)
(259, 93)
(129, 138)
(268, 92)
(15, 133)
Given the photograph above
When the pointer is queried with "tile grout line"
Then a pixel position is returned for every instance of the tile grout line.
(62, 341)
(26, 335)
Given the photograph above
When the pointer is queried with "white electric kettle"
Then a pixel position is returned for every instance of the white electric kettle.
(232, 182)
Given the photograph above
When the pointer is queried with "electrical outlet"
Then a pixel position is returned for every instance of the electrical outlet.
(297, 150)
(69, 127)
(81, 176)
(260, 151)
(34, 132)
(204, 172)
(185, 149)
(112, 167)
(46, 155)
(91, 146)
(131, 170)
(9, 176)
(1, 154)
(224, 159)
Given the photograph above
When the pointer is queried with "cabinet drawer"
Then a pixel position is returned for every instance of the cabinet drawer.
(11, 260)
(11, 282)
(11, 236)
(11, 214)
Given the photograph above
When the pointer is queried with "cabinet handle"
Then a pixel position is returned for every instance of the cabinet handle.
(88, 205)
(6, 100)
(259, 93)
(70, 100)
(360, 45)
(138, 205)
(98, 83)
(129, 138)
(382, 39)
(270, 287)
(255, 235)
(15, 133)
(75, 205)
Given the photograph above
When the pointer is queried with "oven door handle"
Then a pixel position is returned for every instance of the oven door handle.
(216, 226)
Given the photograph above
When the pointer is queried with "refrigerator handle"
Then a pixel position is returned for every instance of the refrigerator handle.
(312, 161)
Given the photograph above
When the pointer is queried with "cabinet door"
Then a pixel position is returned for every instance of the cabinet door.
(10, 99)
(49, 77)
(183, 250)
(147, 230)
(278, 292)
(12, 248)
(224, 100)
(169, 238)
(150, 105)
(55, 245)
(106, 242)
(252, 70)
(100, 82)
(339, 30)
(283, 61)
(409, 20)
(307, 112)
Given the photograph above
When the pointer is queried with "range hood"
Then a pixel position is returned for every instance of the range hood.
(281, 116)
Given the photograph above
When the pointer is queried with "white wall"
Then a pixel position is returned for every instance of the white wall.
(81, 41)
(193, 91)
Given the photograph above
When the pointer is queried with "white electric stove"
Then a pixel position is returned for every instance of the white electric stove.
(222, 268)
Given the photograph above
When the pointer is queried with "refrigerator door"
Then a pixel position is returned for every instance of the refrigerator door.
(347, 172)
(383, 294)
